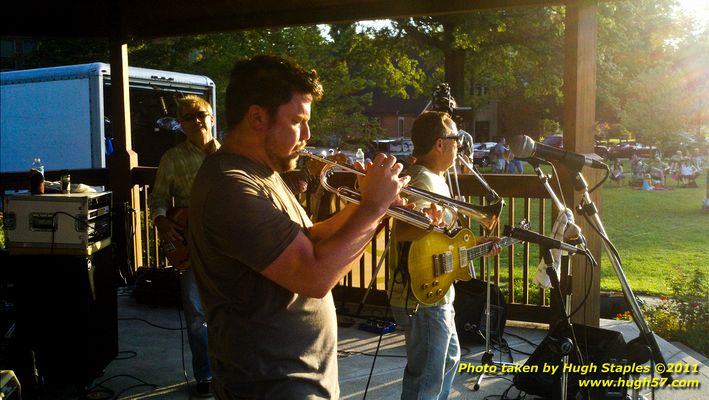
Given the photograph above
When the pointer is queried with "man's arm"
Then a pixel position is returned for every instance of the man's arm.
(160, 200)
(313, 265)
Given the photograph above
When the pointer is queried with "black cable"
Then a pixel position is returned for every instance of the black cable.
(94, 394)
(588, 287)
(182, 350)
(80, 220)
(381, 335)
(558, 184)
(608, 172)
(106, 390)
(181, 328)
(347, 353)
(523, 339)
(128, 226)
(118, 395)
(519, 351)
(120, 376)
(132, 354)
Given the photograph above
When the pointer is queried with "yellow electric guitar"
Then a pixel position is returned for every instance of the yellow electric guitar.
(436, 261)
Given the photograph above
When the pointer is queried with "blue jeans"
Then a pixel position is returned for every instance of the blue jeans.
(432, 351)
(515, 165)
(196, 326)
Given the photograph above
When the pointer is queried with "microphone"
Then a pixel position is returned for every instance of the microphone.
(533, 237)
(523, 146)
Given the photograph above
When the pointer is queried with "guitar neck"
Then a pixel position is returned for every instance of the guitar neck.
(482, 249)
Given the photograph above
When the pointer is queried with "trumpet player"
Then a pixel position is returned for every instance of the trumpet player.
(264, 270)
(432, 347)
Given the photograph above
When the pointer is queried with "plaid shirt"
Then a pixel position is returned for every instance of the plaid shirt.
(176, 172)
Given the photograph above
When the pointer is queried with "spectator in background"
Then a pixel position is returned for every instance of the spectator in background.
(617, 174)
(515, 166)
(638, 168)
(497, 153)
(658, 170)
(647, 182)
(698, 158)
(688, 172)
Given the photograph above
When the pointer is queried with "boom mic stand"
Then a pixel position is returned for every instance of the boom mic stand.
(647, 338)
(563, 345)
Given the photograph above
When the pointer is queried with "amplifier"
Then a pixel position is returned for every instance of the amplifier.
(74, 224)
(9, 386)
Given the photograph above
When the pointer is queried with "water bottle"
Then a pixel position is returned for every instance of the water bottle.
(359, 155)
(37, 177)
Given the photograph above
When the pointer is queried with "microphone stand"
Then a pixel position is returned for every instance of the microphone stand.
(492, 195)
(564, 344)
(647, 337)
(487, 357)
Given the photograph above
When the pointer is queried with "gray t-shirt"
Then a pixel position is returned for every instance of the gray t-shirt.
(264, 340)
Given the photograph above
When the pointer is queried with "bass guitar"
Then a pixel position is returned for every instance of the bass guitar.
(177, 252)
(437, 260)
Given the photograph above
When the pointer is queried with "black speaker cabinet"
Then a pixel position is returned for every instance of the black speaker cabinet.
(598, 346)
(470, 303)
(65, 313)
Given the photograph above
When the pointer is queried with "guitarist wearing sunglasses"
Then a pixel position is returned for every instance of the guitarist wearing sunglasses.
(173, 183)
(432, 347)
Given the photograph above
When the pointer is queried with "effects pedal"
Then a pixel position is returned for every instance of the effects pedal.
(377, 326)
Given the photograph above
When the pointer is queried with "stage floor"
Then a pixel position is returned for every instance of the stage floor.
(153, 356)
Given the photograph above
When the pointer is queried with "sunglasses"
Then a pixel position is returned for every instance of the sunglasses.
(458, 138)
(191, 116)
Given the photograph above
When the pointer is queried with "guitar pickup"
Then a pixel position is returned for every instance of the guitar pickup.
(442, 263)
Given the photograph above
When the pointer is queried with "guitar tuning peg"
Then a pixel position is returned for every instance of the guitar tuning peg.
(524, 224)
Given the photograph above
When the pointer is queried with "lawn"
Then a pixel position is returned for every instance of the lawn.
(658, 234)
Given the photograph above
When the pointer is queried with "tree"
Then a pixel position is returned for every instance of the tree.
(655, 110)
(633, 37)
(692, 69)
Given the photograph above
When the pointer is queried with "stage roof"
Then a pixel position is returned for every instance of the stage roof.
(161, 18)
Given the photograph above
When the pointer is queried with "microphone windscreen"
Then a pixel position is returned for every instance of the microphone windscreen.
(522, 146)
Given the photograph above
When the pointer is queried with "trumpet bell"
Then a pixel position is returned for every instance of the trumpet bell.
(488, 215)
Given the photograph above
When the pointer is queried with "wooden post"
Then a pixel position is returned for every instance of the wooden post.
(579, 116)
(123, 159)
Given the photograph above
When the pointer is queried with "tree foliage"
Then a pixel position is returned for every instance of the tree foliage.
(652, 73)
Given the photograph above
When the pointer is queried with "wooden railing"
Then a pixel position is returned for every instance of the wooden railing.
(512, 270)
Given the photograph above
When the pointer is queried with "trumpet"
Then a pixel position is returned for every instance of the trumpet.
(487, 215)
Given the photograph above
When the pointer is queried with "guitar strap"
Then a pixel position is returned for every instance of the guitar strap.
(402, 265)
(402, 269)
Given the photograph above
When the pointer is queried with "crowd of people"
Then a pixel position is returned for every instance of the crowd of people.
(656, 172)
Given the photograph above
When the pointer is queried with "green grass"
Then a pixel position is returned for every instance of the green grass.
(658, 234)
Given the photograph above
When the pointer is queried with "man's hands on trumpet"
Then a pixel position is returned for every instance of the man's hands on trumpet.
(381, 184)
